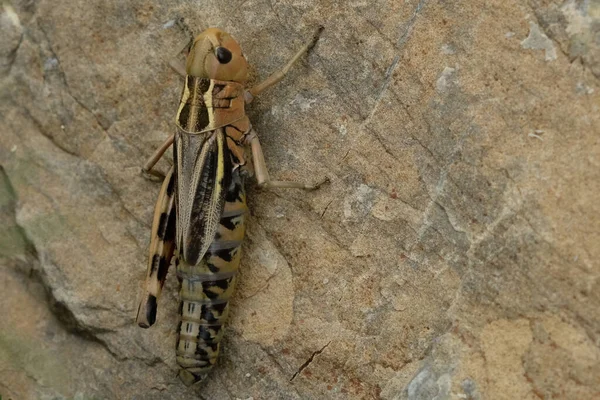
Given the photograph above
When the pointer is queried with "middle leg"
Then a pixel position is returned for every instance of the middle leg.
(262, 173)
(151, 162)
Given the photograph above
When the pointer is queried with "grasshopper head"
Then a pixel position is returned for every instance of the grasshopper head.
(216, 55)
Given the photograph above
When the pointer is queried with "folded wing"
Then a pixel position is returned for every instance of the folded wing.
(203, 166)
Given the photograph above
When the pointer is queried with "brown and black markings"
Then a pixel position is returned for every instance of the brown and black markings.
(202, 203)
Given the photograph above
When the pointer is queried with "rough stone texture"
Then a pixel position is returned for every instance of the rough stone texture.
(453, 256)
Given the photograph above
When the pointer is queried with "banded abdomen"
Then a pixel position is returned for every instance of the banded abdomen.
(206, 289)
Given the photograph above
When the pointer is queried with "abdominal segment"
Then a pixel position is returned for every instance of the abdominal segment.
(206, 289)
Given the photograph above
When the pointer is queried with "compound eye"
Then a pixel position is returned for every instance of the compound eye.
(223, 55)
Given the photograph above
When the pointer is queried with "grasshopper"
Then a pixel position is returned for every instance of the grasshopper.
(201, 208)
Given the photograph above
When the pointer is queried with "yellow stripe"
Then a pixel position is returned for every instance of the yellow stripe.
(184, 98)
(208, 100)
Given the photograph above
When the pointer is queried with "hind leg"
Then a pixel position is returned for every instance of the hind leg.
(162, 246)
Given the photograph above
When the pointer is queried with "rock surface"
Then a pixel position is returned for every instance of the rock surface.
(453, 256)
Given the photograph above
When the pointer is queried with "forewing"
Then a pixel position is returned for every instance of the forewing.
(203, 175)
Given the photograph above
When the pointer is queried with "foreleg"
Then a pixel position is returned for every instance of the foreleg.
(279, 75)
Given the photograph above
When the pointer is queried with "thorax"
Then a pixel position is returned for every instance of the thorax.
(208, 104)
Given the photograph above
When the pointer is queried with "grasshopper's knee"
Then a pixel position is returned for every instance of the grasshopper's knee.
(152, 175)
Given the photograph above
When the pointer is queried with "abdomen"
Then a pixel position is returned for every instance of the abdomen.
(206, 289)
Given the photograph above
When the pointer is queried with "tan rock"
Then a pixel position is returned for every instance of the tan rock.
(454, 255)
